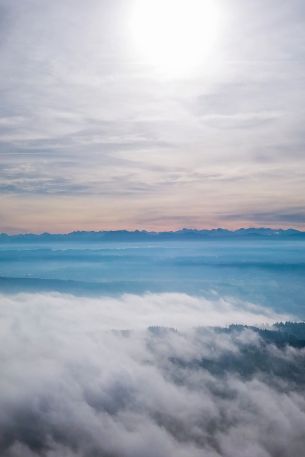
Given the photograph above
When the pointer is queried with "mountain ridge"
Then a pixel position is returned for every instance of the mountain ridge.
(145, 235)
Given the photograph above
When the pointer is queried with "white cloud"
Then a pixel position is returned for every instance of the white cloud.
(139, 311)
(73, 93)
(71, 387)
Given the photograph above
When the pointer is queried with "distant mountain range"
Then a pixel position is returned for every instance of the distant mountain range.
(143, 235)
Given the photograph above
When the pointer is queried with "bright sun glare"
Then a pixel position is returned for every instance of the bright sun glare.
(176, 36)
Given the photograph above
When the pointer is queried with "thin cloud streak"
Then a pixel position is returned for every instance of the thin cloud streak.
(81, 117)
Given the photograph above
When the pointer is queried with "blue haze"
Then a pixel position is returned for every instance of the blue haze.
(265, 272)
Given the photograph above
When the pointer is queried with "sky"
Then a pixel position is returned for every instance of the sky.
(114, 115)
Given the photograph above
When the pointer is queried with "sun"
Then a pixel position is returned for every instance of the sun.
(175, 36)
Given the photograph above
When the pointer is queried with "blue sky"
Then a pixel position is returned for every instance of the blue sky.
(93, 135)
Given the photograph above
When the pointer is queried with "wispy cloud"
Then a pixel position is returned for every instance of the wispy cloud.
(138, 312)
(73, 92)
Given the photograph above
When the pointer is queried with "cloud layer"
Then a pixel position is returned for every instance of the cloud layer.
(72, 387)
(138, 311)
(102, 140)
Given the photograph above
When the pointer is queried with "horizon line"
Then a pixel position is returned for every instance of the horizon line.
(148, 231)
